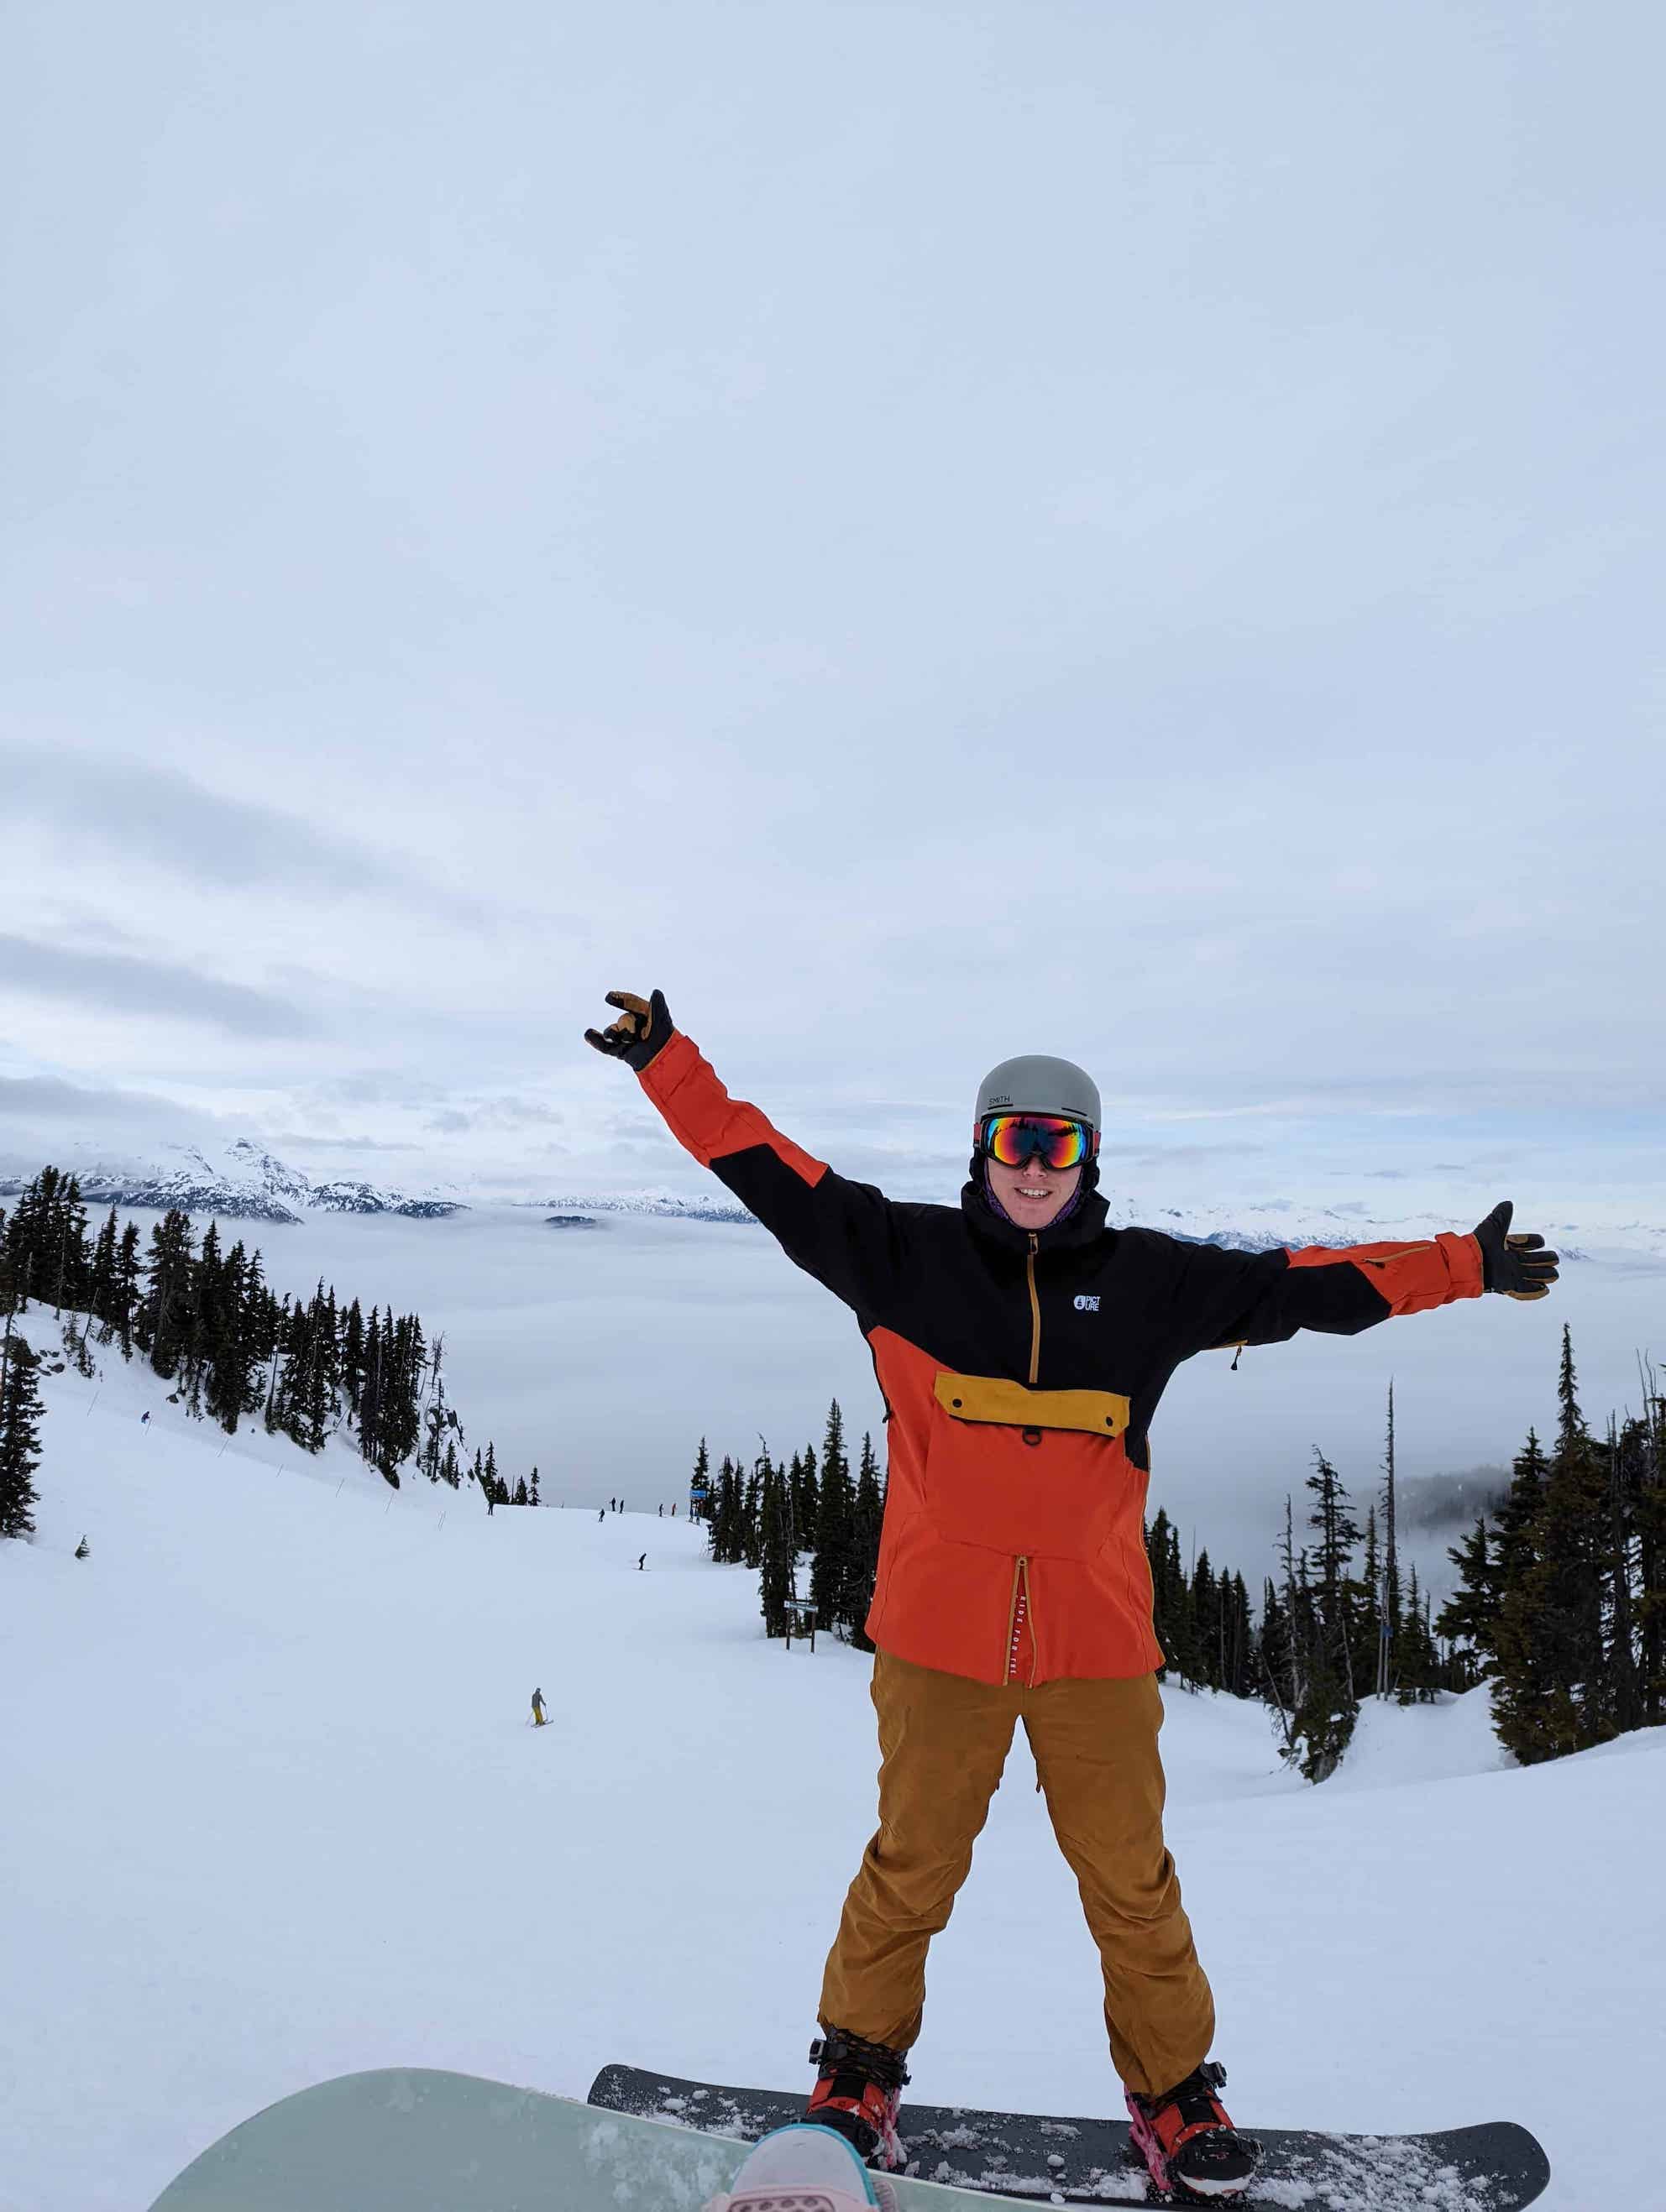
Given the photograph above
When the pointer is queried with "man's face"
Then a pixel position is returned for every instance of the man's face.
(1032, 1195)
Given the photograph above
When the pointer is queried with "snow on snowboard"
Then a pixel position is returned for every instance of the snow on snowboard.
(412, 2140)
(961, 2152)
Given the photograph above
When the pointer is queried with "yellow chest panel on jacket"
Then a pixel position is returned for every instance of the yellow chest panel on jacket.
(992, 1398)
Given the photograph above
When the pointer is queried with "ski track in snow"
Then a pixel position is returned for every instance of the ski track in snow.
(275, 1813)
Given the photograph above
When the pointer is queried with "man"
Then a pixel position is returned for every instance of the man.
(1021, 1347)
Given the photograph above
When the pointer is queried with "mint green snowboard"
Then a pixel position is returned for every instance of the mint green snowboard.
(410, 2140)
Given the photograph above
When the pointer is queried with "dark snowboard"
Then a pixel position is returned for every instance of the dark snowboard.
(1495, 2168)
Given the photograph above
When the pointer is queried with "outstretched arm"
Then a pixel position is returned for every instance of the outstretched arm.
(847, 1235)
(1223, 1298)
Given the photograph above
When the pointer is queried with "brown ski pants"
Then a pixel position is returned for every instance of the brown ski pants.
(943, 1742)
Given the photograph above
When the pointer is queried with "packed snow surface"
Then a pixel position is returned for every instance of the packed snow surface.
(275, 1812)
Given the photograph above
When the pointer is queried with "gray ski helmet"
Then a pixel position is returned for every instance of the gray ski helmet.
(1034, 1083)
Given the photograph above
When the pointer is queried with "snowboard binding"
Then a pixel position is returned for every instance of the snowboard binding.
(1193, 2153)
(859, 2094)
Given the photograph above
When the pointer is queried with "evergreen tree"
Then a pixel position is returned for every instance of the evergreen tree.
(751, 1520)
(1205, 1623)
(831, 1566)
(520, 1496)
(165, 1318)
(1624, 1689)
(1420, 1673)
(352, 1357)
(1390, 1656)
(1243, 1656)
(102, 1282)
(20, 1432)
(532, 1497)
(1548, 1692)
(1168, 1587)
(1469, 1617)
(775, 1546)
(126, 1289)
(809, 1502)
(1278, 1660)
(867, 1515)
(1371, 1658)
(1325, 1715)
(1648, 1512)
(701, 1503)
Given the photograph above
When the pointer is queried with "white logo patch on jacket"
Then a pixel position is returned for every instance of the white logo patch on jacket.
(1086, 1305)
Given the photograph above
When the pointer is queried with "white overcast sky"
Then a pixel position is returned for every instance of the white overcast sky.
(927, 530)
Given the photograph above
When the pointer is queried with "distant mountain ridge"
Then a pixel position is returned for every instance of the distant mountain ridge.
(245, 1182)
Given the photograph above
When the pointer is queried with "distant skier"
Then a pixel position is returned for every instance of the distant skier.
(641, 1564)
(602, 1515)
(661, 1513)
(145, 1419)
(83, 1549)
(537, 1709)
(1022, 1346)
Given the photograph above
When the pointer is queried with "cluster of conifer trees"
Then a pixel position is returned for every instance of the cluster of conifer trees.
(203, 1319)
(770, 1517)
(1562, 1601)
(1338, 1626)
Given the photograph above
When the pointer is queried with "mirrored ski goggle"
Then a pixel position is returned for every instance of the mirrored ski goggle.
(1054, 1140)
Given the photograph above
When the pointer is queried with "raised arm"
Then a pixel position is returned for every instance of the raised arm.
(1222, 1298)
(847, 1235)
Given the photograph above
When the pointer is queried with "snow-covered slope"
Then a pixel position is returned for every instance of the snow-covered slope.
(273, 1812)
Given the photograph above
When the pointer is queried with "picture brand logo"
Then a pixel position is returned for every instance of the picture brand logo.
(1086, 1305)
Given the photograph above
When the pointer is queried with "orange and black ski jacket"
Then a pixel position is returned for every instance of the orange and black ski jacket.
(1020, 1372)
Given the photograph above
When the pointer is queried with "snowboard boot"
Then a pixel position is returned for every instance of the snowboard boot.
(859, 2089)
(1188, 2143)
(805, 2169)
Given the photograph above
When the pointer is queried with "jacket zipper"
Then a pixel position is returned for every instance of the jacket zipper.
(1019, 1614)
(1017, 1617)
(1035, 1314)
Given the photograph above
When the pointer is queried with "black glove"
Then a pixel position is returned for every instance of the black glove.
(642, 1027)
(1517, 1266)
